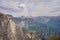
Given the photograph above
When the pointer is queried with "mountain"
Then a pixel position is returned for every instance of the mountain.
(8, 29)
(40, 29)
(44, 19)
(54, 21)
(17, 20)
(48, 20)
(8, 15)
(42, 25)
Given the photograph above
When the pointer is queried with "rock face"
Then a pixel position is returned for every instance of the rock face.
(8, 29)
(11, 31)
(3, 27)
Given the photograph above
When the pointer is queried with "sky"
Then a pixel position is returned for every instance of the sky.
(30, 7)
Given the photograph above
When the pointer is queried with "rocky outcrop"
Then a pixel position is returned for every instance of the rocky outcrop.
(8, 29)
(11, 31)
(3, 27)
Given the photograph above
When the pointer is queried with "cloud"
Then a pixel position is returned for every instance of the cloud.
(34, 7)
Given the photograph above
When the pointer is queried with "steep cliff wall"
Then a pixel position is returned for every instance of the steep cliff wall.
(8, 29)
(11, 31)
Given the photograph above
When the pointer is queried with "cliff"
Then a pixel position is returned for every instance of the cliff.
(8, 29)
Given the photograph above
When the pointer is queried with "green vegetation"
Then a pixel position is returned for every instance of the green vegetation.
(54, 38)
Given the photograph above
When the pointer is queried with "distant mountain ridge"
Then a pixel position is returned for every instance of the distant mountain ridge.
(49, 20)
(43, 26)
(41, 19)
